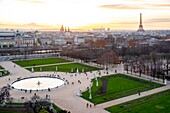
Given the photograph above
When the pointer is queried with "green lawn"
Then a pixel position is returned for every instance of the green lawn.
(9, 111)
(156, 103)
(5, 72)
(22, 104)
(1, 67)
(66, 68)
(25, 63)
(118, 86)
(56, 107)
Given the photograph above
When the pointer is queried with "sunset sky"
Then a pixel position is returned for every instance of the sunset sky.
(84, 14)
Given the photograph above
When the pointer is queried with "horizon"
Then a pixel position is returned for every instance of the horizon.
(84, 15)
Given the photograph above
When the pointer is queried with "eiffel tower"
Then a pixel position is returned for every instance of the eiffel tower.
(140, 29)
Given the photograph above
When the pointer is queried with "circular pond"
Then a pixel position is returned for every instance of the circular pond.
(38, 83)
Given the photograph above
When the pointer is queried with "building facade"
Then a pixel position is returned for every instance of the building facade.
(16, 39)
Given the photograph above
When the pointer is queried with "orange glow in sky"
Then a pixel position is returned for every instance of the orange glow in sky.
(85, 14)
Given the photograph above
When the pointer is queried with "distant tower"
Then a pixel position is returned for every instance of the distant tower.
(140, 29)
(68, 29)
(62, 29)
(65, 29)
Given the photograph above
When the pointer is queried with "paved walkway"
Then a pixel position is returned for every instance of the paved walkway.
(50, 64)
(132, 97)
(8, 65)
(66, 97)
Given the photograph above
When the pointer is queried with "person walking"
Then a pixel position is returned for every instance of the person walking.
(87, 105)
(139, 93)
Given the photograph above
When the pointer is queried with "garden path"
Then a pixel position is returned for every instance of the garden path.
(66, 97)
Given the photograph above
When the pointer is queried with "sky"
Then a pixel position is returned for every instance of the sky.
(84, 14)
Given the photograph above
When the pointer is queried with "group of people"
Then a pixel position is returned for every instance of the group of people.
(73, 82)
(89, 105)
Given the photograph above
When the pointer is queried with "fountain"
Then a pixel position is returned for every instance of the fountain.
(38, 83)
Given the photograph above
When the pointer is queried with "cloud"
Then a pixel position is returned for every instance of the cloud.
(2, 24)
(28, 26)
(161, 5)
(32, 1)
(136, 6)
(121, 6)
(158, 20)
(123, 23)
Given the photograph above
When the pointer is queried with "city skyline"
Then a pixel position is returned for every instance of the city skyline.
(78, 14)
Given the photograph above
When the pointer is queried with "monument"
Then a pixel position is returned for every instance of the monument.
(140, 29)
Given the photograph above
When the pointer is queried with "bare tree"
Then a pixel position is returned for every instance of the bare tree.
(108, 58)
(100, 43)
